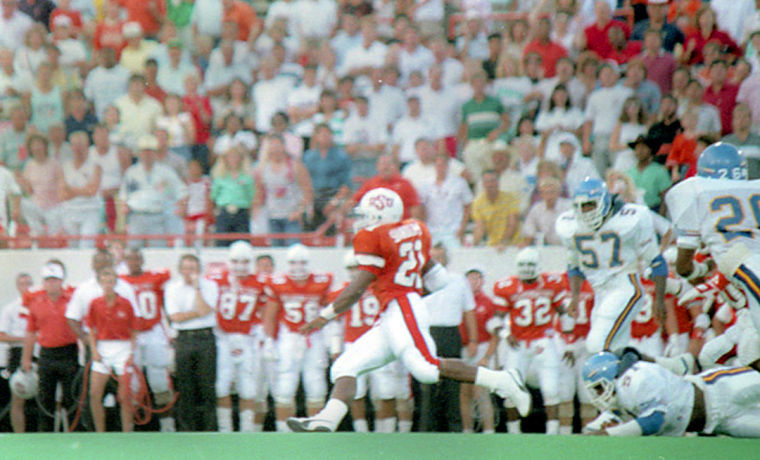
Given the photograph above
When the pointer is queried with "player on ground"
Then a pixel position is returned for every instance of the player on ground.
(720, 208)
(241, 294)
(607, 239)
(295, 301)
(720, 401)
(153, 350)
(530, 300)
(394, 257)
(571, 346)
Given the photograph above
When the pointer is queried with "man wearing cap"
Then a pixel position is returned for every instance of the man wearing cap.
(48, 327)
(138, 110)
(149, 194)
(172, 74)
(648, 175)
(137, 50)
(657, 12)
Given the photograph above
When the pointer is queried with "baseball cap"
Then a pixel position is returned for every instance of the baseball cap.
(132, 30)
(147, 142)
(62, 21)
(475, 269)
(52, 271)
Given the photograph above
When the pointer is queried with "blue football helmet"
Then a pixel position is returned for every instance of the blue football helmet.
(594, 191)
(599, 374)
(722, 161)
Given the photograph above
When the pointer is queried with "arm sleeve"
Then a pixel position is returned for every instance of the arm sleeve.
(75, 309)
(210, 293)
(647, 244)
(468, 300)
(368, 253)
(170, 300)
(683, 211)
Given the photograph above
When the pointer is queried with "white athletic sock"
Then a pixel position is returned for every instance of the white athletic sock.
(167, 424)
(258, 427)
(487, 378)
(552, 427)
(282, 426)
(246, 421)
(386, 425)
(224, 419)
(360, 426)
(564, 429)
(332, 413)
(513, 427)
(467, 431)
(491, 431)
(405, 426)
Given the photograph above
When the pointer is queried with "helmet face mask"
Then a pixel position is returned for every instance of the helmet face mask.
(527, 264)
(591, 203)
(722, 161)
(240, 257)
(599, 374)
(298, 262)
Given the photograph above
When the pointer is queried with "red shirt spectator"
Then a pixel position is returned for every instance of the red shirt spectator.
(549, 51)
(721, 94)
(76, 18)
(241, 14)
(660, 64)
(682, 153)
(47, 318)
(705, 32)
(149, 13)
(199, 108)
(624, 55)
(484, 310)
(111, 322)
(108, 31)
(597, 33)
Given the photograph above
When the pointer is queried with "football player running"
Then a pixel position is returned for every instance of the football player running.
(646, 399)
(394, 258)
(294, 300)
(153, 351)
(607, 239)
(530, 300)
(720, 208)
(241, 294)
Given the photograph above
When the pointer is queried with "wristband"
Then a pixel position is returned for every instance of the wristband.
(328, 312)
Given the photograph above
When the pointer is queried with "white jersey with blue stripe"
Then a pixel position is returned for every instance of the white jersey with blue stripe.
(645, 388)
(625, 241)
(716, 212)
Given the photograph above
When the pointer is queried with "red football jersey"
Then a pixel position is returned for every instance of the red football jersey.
(111, 323)
(300, 302)
(395, 253)
(645, 324)
(149, 291)
(360, 317)
(531, 307)
(484, 310)
(239, 306)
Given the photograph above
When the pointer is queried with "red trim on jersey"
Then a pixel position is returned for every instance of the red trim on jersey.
(414, 329)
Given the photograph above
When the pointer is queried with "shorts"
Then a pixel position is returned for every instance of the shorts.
(114, 355)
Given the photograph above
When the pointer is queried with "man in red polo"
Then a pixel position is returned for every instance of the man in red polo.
(721, 94)
(389, 177)
(549, 51)
(48, 327)
(597, 39)
(241, 14)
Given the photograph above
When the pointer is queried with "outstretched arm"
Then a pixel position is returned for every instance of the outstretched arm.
(345, 300)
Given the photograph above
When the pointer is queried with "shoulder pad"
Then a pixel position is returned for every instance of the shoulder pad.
(566, 224)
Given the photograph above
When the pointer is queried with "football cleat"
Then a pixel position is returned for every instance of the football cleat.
(513, 388)
(309, 425)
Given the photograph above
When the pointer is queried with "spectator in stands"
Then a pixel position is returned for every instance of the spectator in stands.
(647, 92)
(303, 103)
(81, 203)
(538, 227)
(682, 159)
(667, 125)
(366, 55)
(452, 68)
(446, 200)
(12, 150)
(315, 18)
(365, 138)
(80, 117)
(269, 94)
(206, 19)
(387, 102)
(147, 14)
(139, 112)
(281, 127)
(45, 100)
(11, 83)
(441, 105)
(106, 83)
(504, 159)
(190, 300)
(648, 175)
(232, 192)
(329, 114)
(284, 190)
(237, 102)
(423, 169)
(41, 182)
(543, 45)
(496, 215)
(167, 156)
(657, 21)
(109, 29)
(112, 164)
(410, 128)
(48, 327)
(742, 137)
(659, 63)
(708, 115)
(199, 108)
(413, 56)
(574, 165)
(565, 76)
(149, 194)
(14, 25)
(171, 75)
(495, 48)
(560, 116)
(705, 32)
(235, 135)
(223, 71)
(152, 87)
(32, 53)
(179, 126)
(58, 147)
(721, 94)
(137, 49)
(597, 34)
(70, 51)
(602, 110)
(631, 124)
(388, 176)
(483, 121)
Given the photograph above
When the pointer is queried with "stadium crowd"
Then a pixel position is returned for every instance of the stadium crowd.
(187, 117)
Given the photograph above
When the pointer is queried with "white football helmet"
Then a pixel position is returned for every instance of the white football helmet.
(378, 206)
(527, 264)
(24, 384)
(240, 256)
(298, 261)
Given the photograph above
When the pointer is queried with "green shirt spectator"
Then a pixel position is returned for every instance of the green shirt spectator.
(233, 190)
(649, 176)
(180, 12)
(482, 117)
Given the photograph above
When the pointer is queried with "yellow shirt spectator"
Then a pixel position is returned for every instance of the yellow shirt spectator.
(496, 214)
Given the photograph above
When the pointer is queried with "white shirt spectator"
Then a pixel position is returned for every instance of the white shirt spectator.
(103, 86)
(359, 56)
(430, 10)
(575, 89)
(444, 205)
(539, 223)
(85, 293)
(731, 16)
(604, 107)
(150, 192)
(26, 61)
(387, 104)
(453, 70)
(269, 97)
(282, 9)
(407, 131)
(73, 52)
(138, 118)
(172, 79)
(418, 60)
(315, 18)
(442, 107)
(110, 166)
(207, 17)
(221, 75)
(511, 92)
(342, 43)
(447, 305)
(364, 130)
(708, 117)
(14, 29)
(563, 119)
(304, 96)
(179, 297)
(78, 178)
(8, 187)
(419, 173)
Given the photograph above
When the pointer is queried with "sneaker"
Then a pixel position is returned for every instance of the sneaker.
(308, 425)
(513, 388)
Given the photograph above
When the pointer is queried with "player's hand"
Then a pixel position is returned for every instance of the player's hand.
(26, 366)
(472, 349)
(572, 308)
(313, 325)
(512, 341)
(484, 362)
(569, 358)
